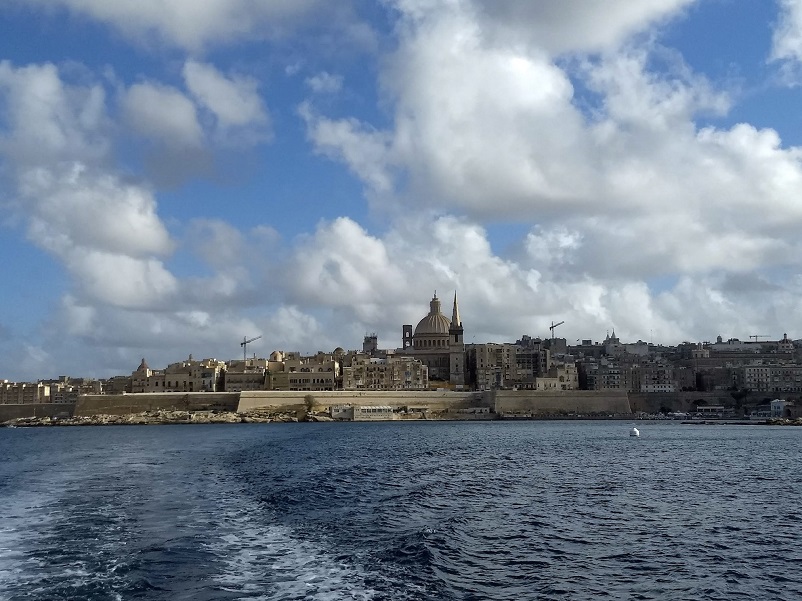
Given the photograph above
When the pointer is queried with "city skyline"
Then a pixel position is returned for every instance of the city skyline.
(175, 179)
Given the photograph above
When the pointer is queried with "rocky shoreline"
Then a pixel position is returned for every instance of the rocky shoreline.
(161, 417)
(784, 422)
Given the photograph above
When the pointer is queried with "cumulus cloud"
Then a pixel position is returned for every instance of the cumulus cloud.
(233, 101)
(365, 150)
(104, 230)
(622, 186)
(196, 25)
(551, 115)
(162, 113)
(495, 130)
(114, 339)
(46, 121)
(560, 26)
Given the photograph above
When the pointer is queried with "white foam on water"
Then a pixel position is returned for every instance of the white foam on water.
(32, 517)
(25, 515)
(270, 562)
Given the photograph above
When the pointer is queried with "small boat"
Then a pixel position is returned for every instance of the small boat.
(634, 432)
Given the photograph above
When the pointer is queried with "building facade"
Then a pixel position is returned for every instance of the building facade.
(438, 343)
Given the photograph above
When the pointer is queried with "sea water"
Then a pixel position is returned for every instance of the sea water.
(397, 511)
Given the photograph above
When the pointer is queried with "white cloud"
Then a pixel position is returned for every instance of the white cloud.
(49, 121)
(288, 329)
(550, 114)
(234, 101)
(325, 83)
(162, 113)
(554, 25)
(104, 230)
(216, 242)
(121, 280)
(787, 42)
(195, 25)
(72, 207)
(494, 130)
(340, 265)
(365, 150)
(622, 186)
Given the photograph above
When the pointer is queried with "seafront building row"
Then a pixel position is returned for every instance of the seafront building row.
(433, 355)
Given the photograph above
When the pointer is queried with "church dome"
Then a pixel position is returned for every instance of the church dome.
(435, 322)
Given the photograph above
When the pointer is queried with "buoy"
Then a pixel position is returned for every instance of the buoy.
(634, 432)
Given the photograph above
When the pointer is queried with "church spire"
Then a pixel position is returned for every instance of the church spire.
(455, 320)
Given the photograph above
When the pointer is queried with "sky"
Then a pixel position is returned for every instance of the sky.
(176, 176)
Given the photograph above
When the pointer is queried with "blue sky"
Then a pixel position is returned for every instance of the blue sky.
(177, 175)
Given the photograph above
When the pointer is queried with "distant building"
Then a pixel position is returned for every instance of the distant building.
(247, 374)
(391, 373)
(657, 376)
(438, 343)
(23, 393)
(763, 377)
(522, 365)
(184, 376)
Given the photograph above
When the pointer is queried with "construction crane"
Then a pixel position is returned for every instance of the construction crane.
(554, 325)
(756, 336)
(244, 345)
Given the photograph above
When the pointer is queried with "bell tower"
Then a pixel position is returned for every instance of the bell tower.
(456, 347)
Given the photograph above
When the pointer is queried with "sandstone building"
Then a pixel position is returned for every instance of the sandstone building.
(438, 343)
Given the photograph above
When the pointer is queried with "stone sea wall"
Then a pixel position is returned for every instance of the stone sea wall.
(652, 402)
(9, 412)
(560, 402)
(124, 404)
(435, 401)
(443, 403)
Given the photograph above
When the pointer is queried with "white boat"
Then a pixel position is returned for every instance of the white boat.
(634, 432)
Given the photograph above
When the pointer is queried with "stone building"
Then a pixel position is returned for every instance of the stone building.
(657, 376)
(18, 393)
(183, 376)
(493, 366)
(766, 377)
(438, 343)
(315, 373)
(246, 374)
(390, 373)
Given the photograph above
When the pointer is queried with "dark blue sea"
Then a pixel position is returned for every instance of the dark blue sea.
(401, 511)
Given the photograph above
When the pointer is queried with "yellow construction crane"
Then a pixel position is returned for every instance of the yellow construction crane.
(756, 336)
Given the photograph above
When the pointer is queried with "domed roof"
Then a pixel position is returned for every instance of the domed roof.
(435, 322)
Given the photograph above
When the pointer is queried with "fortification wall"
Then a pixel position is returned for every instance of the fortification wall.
(502, 401)
(9, 412)
(296, 400)
(653, 402)
(558, 402)
(124, 404)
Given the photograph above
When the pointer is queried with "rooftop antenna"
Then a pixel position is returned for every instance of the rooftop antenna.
(244, 345)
